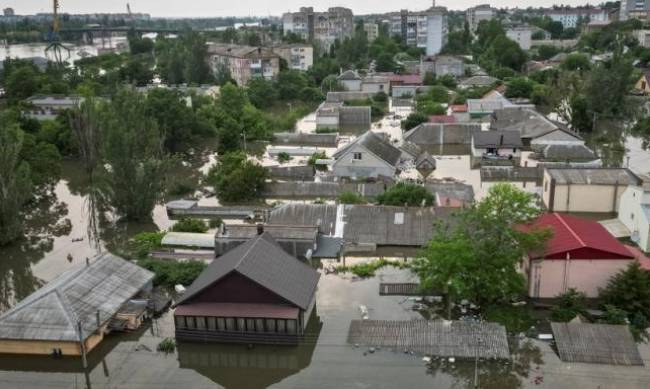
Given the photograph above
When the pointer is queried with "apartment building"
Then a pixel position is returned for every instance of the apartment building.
(570, 17)
(244, 62)
(634, 9)
(298, 56)
(372, 31)
(322, 28)
(475, 15)
(425, 29)
(522, 35)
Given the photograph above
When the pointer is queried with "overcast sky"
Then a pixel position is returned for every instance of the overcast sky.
(206, 8)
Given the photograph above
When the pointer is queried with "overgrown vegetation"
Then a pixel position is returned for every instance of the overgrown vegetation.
(167, 345)
(142, 244)
(236, 178)
(169, 273)
(570, 304)
(189, 224)
(351, 198)
(408, 194)
(369, 269)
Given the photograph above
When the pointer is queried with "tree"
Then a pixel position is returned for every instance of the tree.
(414, 120)
(15, 181)
(476, 255)
(261, 92)
(21, 83)
(545, 52)
(427, 107)
(290, 83)
(438, 94)
(175, 120)
(576, 61)
(571, 304)
(135, 165)
(629, 290)
(406, 194)
(520, 87)
(385, 63)
(237, 179)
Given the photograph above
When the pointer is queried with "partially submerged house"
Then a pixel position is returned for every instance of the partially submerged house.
(48, 107)
(430, 134)
(337, 115)
(537, 131)
(570, 154)
(585, 189)
(71, 314)
(496, 145)
(370, 155)
(298, 241)
(255, 293)
(581, 254)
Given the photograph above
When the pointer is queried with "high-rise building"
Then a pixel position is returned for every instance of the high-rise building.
(372, 31)
(322, 28)
(635, 9)
(474, 15)
(8, 11)
(425, 29)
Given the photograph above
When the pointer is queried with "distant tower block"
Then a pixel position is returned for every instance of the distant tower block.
(425, 164)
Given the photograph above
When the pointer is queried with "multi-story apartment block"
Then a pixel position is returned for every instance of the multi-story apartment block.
(8, 11)
(635, 9)
(298, 56)
(244, 62)
(372, 31)
(323, 28)
(425, 29)
(569, 17)
(522, 35)
(474, 15)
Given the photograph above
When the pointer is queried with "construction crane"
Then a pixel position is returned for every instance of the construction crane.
(55, 47)
(128, 10)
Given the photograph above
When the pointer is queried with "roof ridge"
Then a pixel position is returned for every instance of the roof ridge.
(247, 252)
(565, 224)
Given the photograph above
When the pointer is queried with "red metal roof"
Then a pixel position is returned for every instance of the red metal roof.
(406, 79)
(459, 108)
(442, 119)
(270, 311)
(579, 239)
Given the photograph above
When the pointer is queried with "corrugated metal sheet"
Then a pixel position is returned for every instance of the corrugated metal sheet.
(188, 239)
(596, 343)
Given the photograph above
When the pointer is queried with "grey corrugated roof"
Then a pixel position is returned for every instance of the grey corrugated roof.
(188, 239)
(595, 176)
(292, 172)
(349, 75)
(376, 145)
(321, 215)
(279, 232)
(306, 139)
(52, 312)
(530, 123)
(264, 262)
(456, 190)
(479, 81)
(560, 152)
(487, 139)
(596, 343)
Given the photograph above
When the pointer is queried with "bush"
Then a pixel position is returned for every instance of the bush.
(369, 269)
(380, 97)
(413, 120)
(326, 130)
(571, 304)
(520, 87)
(438, 94)
(515, 319)
(215, 223)
(188, 224)
(316, 156)
(284, 157)
(169, 273)
(142, 244)
(236, 178)
(168, 345)
(406, 194)
(351, 198)
(430, 108)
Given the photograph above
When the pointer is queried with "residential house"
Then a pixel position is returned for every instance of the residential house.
(48, 107)
(459, 111)
(477, 82)
(496, 145)
(442, 65)
(643, 84)
(433, 134)
(243, 63)
(444, 119)
(425, 29)
(71, 314)
(585, 189)
(537, 131)
(322, 28)
(370, 155)
(580, 254)
(522, 35)
(634, 9)
(350, 80)
(634, 213)
(298, 56)
(571, 155)
(477, 14)
(484, 108)
(297, 241)
(337, 115)
(254, 293)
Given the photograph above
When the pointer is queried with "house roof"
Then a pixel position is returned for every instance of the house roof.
(578, 238)
(571, 152)
(53, 312)
(279, 232)
(640, 256)
(429, 133)
(442, 119)
(321, 215)
(489, 139)
(264, 262)
(596, 343)
(376, 145)
(485, 106)
(479, 81)
(593, 176)
(406, 79)
(530, 123)
(458, 108)
(303, 172)
(240, 51)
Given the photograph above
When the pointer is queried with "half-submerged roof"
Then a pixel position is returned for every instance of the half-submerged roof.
(596, 343)
(53, 312)
(490, 139)
(593, 176)
(376, 145)
(264, 262)
(578, 239)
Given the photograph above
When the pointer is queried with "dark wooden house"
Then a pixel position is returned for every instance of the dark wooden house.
(254, 293)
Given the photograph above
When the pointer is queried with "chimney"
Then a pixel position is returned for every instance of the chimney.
(260, 229)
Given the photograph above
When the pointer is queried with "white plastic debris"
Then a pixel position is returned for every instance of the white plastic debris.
(426, 359)
(364, 312)
(452, 359)
(545, 336)
(180, 289)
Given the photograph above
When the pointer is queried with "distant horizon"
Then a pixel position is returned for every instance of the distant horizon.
(255, 8)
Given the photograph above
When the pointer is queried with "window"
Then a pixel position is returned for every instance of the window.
(212, 323)
(356, 156)
(180, 321)
(189, 322)
(200, 323)
(546, 186)
(270, 325)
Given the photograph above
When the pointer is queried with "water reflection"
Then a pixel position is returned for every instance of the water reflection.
(525, 362)
(237, 366)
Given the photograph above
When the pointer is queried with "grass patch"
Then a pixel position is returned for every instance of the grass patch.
(515, 319)
(369, 269)
(142, 244)
(168, 345)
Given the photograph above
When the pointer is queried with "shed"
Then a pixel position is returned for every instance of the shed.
(321, 215)
(75, 307)
(596, 343)
(370, 155)
(299, 241)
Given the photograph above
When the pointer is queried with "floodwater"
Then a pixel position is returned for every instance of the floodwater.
(77, 51)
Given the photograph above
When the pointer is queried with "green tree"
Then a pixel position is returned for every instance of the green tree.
(414, 120)
(351, 198)
(576, 61)
(135, 165)
(261, 92)
(629, 290)
(236, 179)
(406, 194)
(290, 83)
(520, 87)
(570, 304)
(15, 181)
(174, 118)
(476, 255)
(438, 94)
